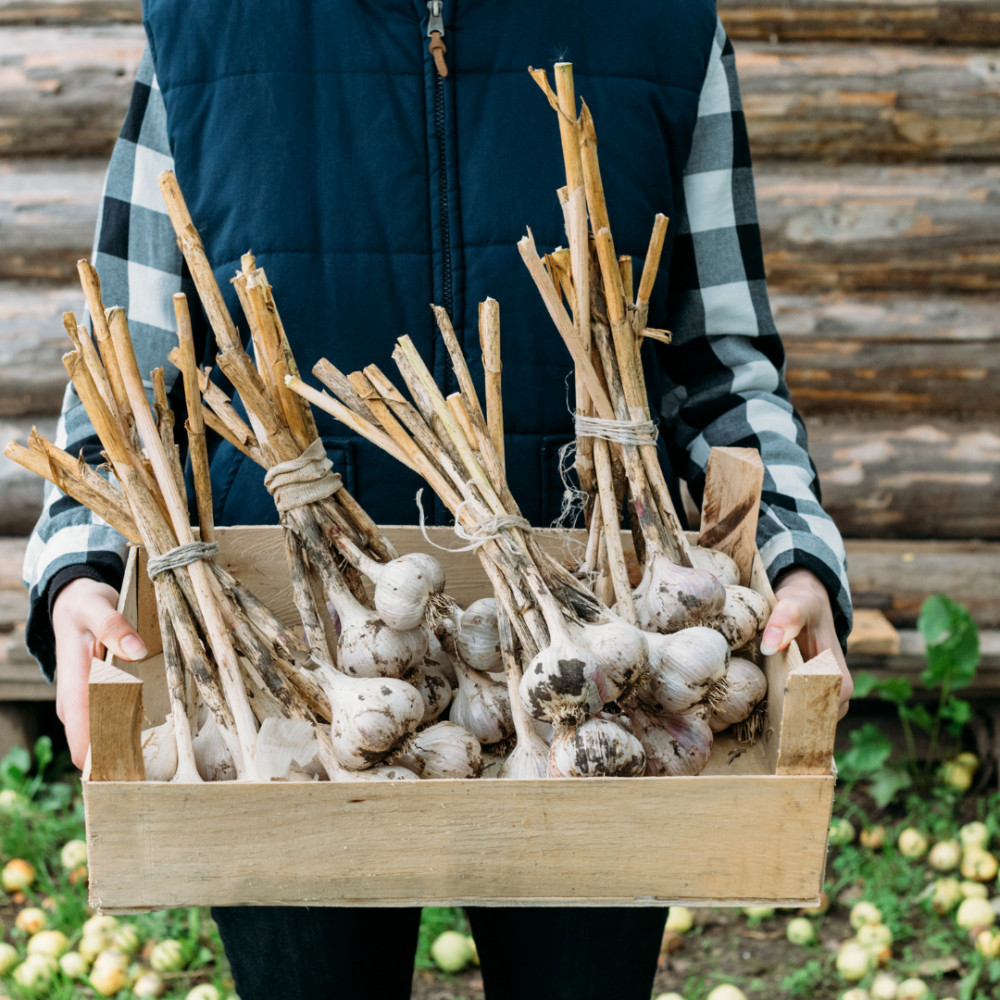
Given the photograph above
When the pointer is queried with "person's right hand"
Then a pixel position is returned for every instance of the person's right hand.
(86, 622)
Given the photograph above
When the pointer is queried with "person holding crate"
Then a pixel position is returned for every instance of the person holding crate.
(378, 158)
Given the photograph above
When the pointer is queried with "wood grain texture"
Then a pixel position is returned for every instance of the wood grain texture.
(20, 490)
(721, 839)
(889, 353)
(896, 576)
(48, 210)
(115, 718)
(872, 634)
(730, 505)
(809, 711)
(65, 91)
(927, 229)
(72, 12)
(923, 22)
(875, 104)
(916, 477)
(32, 342)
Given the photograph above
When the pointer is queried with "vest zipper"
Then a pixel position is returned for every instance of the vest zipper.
(435, 32)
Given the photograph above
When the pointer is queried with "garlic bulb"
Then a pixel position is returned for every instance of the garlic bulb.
(370, 715)
(597, 748)
(280, 744)
(215, 762)
(743, 616)
(403, 588)
(159, 752)
(477, 639)
(482, 706)
(529, 758)
(746, 686)
(672, 597)
(444, 750)
(684, 668)
(721, 566)
(441, 661)
(675, 745)
(433, 687)
(368, 647)
(583, 668)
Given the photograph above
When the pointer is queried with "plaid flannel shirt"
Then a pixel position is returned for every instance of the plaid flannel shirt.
(724, 372)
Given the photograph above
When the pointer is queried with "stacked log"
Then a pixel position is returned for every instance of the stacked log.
(876, 136)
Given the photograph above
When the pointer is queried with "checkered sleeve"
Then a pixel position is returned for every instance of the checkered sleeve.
(725, 381)
(140, 268)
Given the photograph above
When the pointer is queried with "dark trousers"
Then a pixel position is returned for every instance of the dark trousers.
(525, 953)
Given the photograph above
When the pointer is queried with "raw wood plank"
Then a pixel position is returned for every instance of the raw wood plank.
(896, 576)
(911, 478)
(32, 341)
(809, 711)
(65, 91)
(953, 22)
(872, 635)
(20, 678)
(20, 490)
(76, 12)
(890, 353)
(731, 504)
(517, 842)
(857, 103)
(898, 229)
(48, 210)
(115, 719)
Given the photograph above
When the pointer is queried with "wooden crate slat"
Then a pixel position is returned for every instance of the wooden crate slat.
(924, 22)
(75, 12)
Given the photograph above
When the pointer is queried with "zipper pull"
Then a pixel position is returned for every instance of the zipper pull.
(435, 32)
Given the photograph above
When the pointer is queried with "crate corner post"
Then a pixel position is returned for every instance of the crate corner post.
(115, 720)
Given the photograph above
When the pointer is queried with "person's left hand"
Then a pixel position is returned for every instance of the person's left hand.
(803, 613)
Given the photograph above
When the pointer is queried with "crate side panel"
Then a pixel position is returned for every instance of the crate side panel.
(613, 841)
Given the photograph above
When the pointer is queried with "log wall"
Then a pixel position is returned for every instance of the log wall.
(875, 126)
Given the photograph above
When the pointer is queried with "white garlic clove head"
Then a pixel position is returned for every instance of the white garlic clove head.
(371, 648)
(675, 745)
(482, 706)
(528, 760)
(746, 686)
(621, 656)
(404, 587)
(478, 637)
(672, 597)
(444, 750)
(743, 617)
(433, 686)
(370, 716)
(559, 686)
(721, 566)
(598, 748)
(684, 667)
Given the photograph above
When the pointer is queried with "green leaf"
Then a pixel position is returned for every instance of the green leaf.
(864, 684)
(898, 690)
(919, 715)
(14, 767)
(888, 783)
(952, 640)
(43, 753)
(869, 751)
(956, 713)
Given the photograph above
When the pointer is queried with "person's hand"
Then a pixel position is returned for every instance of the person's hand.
(85, 622)
(803, 613)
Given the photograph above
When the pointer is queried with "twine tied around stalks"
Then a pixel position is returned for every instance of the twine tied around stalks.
(181, 555)
(302, 480)
(477, 534)
(637, 432)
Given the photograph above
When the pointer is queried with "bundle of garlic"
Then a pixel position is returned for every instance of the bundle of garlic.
(208, 621)
(331, 543)
(616, 449)
(579, 654)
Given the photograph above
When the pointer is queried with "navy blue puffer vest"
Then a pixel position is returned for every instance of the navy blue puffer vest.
(320, 135)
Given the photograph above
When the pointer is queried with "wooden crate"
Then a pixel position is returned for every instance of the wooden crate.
(752, 828)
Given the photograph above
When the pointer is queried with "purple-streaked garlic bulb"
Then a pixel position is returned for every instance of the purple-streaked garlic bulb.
(597, 748)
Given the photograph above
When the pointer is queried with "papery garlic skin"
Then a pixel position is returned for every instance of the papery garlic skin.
(672, 597)
(746, 686)
(598, 748)
(684, 669)
(444, 750)
(721, 566)
(403, 588)
(159, 751)
(675, 745)
(558, 685)
(743, 617)
(482, 706)
(434, 688)
(370, 648)
(477, 638)
(528, 760)
(215, 762)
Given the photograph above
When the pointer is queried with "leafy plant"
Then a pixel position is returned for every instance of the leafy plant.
(952, 657)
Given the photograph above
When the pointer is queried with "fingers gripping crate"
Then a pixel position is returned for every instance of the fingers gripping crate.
(751, 828)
